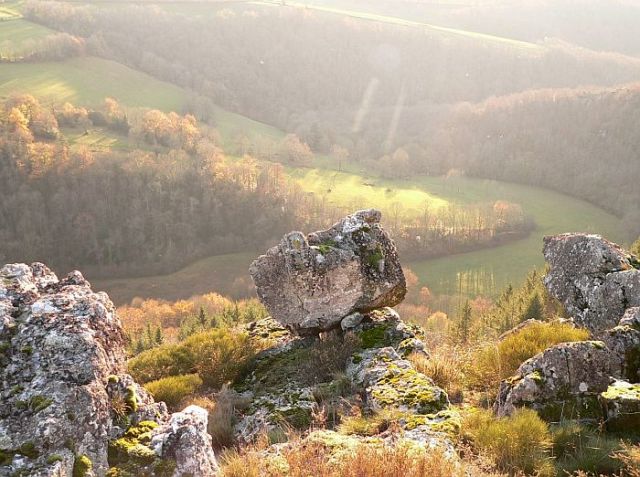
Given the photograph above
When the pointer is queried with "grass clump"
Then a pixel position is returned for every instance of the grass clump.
(316, 459)
(493, 363)
(174, 389)
(444, 368)
(518, 443)
(578, 447)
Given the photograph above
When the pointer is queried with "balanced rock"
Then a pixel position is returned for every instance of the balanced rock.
(67, 406)
(596, 280)
(310, 283)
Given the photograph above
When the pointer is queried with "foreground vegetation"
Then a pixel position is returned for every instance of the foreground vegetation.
(203, 360)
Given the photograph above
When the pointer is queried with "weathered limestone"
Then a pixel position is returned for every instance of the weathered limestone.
(309, 284)
(596, 280)
(66, 401)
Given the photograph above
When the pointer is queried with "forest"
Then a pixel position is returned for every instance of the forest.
(424, 94)
(174, 196)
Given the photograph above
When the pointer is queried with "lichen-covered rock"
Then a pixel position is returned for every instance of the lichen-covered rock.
(623, 342)
(631, 318)
(184, 440)
(596, 280)
(66, 402)
(621, 402)
(391, 381)
(310, 283)
(563, 381)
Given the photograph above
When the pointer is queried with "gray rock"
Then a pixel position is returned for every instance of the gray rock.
(64, 393)
(184, 439)
(351, 321)
(631, 318)
(562, 382)
(309, 284)
(595, 280)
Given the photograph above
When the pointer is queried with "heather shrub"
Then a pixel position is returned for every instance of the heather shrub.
(518, 443)
(495, 362)
(161, 362)
(174, 389)
(217, 356)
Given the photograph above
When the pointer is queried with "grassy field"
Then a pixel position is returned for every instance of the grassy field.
(210, 274)
(87, 81)
(14, 31)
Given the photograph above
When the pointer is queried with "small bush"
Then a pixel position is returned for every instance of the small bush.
(161, 362)
(491, 364)
(217, 356)
(220, 355)
(174, 389)
(519, 443)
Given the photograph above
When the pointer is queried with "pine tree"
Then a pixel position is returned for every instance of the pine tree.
(202, 317)
(159, 339)
(534, 310)
(464, 322)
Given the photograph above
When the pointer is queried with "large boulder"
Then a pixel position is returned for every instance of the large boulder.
(310, 283)
(66, 402)
(564, 381)
(595, 280)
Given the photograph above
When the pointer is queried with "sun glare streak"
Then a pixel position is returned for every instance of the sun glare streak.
(365, 106)
(397, 111)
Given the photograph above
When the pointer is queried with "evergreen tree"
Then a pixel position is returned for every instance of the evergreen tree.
(159, 338)
(202, 317)
(464, 322)
(534, 310)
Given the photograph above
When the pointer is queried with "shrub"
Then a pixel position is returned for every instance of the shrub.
(491, 364)
(220, 355)
(174, 389)
(519, 443)
(161, 362)
(217, 356)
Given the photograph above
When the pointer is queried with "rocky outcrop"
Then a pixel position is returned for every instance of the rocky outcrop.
(378, 379)
(67, 406)
(310, 283)
(595, 280)
(599, 284)
(562, 382)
